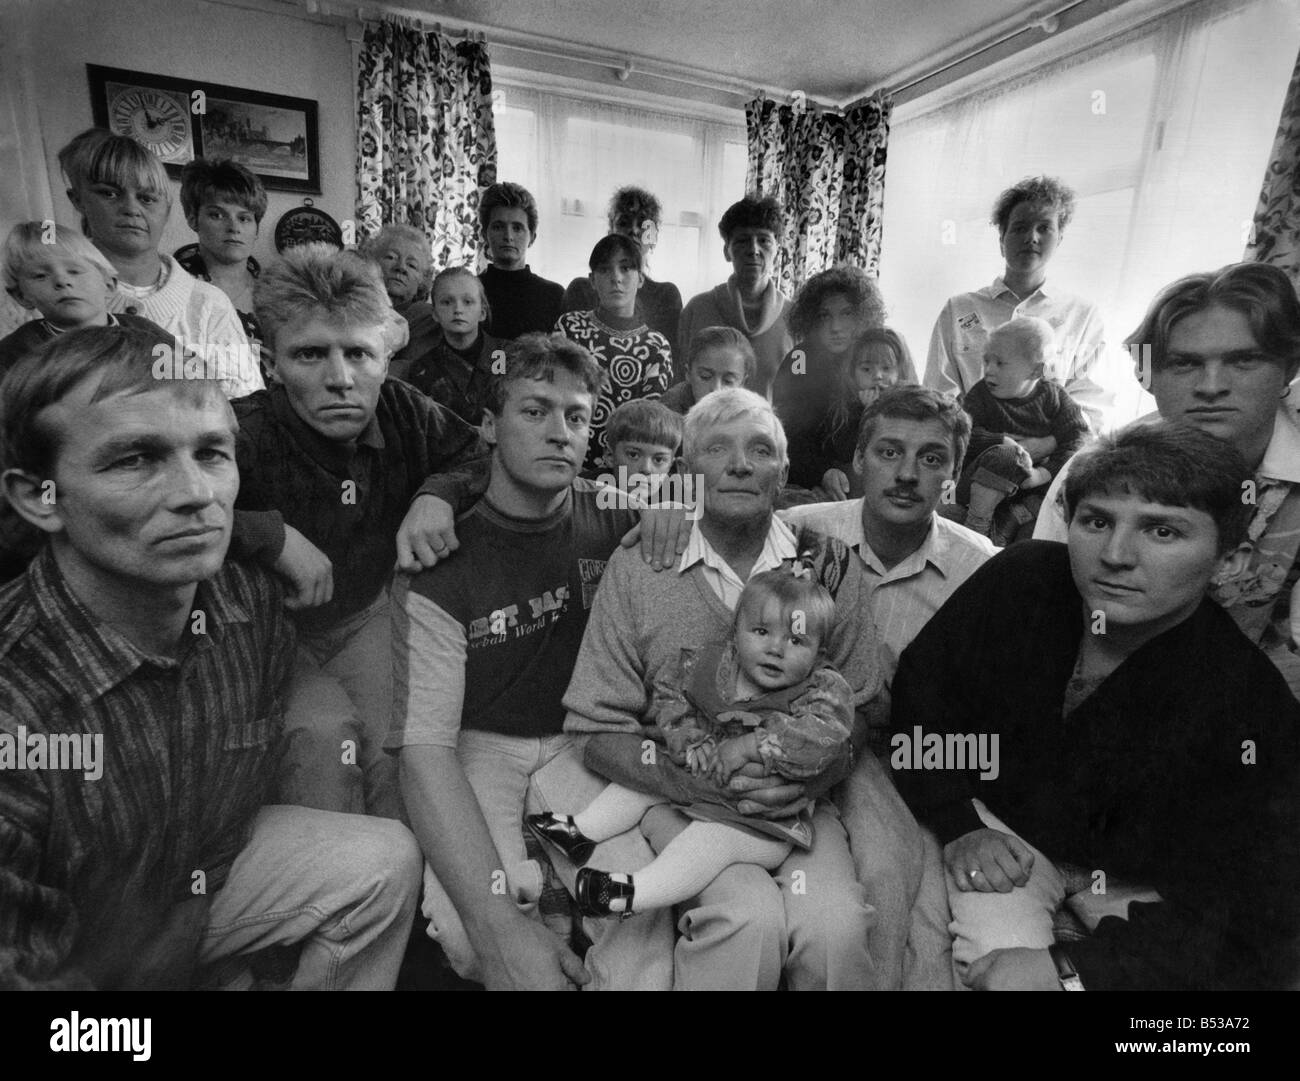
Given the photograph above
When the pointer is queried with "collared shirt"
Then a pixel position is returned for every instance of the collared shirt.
(92, 865)
(904, 597)
(347, 499)
(956, 359)
(778, 545)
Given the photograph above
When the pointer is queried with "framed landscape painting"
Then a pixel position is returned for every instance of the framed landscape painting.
(272, 135)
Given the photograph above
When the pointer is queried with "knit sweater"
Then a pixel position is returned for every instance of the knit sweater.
(658, 304)
(637, 361)
(522, 302)
(721, 307)
(1046, 410)
(641, 622)
(203, 318)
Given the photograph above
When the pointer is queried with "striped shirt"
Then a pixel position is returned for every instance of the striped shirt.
(94, 866)
(904, 597)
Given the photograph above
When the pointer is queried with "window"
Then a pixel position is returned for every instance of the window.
(1163, 133)
(573, 153)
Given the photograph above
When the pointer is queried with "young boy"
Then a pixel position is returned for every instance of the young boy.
(56, 271)
(719, 357)
(224, 203)
(637, 361)
(1025, 427)
(402, 253)
(644, 440)
(522, 302)
(458, 371)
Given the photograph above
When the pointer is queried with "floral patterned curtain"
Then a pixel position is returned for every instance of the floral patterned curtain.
(1275, 233)
(828, 171)
(426, 142)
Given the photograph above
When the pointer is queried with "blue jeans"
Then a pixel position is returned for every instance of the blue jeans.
(344, 886)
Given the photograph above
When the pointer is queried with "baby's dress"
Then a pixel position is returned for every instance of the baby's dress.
(801, 730)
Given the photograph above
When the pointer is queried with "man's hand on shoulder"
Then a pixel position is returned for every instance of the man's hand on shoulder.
(530, 957)
(427, 534)
(663, 533)
(307, 571)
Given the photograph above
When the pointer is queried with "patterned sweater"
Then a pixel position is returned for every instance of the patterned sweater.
(637, 360)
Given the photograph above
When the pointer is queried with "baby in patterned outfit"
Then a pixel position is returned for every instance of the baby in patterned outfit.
(766, 695)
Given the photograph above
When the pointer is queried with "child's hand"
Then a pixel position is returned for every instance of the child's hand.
(836, 484)
(700, 758)
(732, 755)
(1038, 476)
(1039, 447)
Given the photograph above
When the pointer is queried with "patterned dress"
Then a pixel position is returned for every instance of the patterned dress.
(637, 360)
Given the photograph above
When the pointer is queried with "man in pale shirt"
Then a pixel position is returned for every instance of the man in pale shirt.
(1219, 352)
(910, 449)
(1031, 218)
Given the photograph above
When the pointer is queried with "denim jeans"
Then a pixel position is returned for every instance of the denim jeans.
(339, 708)
(344, 886)
(511, 776)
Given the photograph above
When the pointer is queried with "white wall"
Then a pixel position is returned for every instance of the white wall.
(207, 42)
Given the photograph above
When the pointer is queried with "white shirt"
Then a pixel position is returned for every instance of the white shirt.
(904, 597)
(778, 546)
(956, 359)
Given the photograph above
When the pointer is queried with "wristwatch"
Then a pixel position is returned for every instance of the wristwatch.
(1065, 969)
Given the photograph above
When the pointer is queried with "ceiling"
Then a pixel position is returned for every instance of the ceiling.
(833, 50)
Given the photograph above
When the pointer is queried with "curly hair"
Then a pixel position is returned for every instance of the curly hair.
(630, 207)
(753, 213)
(850, 282)
(1044, 191)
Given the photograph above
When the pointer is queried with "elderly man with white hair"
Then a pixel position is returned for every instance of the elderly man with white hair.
(810, 918)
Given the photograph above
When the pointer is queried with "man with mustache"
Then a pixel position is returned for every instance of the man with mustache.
(910, 449)
(1030, 218)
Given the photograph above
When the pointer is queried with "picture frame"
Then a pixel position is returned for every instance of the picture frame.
(273, 135)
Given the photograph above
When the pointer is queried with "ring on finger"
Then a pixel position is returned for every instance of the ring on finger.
(974, 874)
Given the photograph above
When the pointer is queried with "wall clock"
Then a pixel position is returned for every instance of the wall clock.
(154, 110)
(273, 135)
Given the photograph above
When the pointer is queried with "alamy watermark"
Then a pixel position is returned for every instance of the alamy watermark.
(82, 751)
